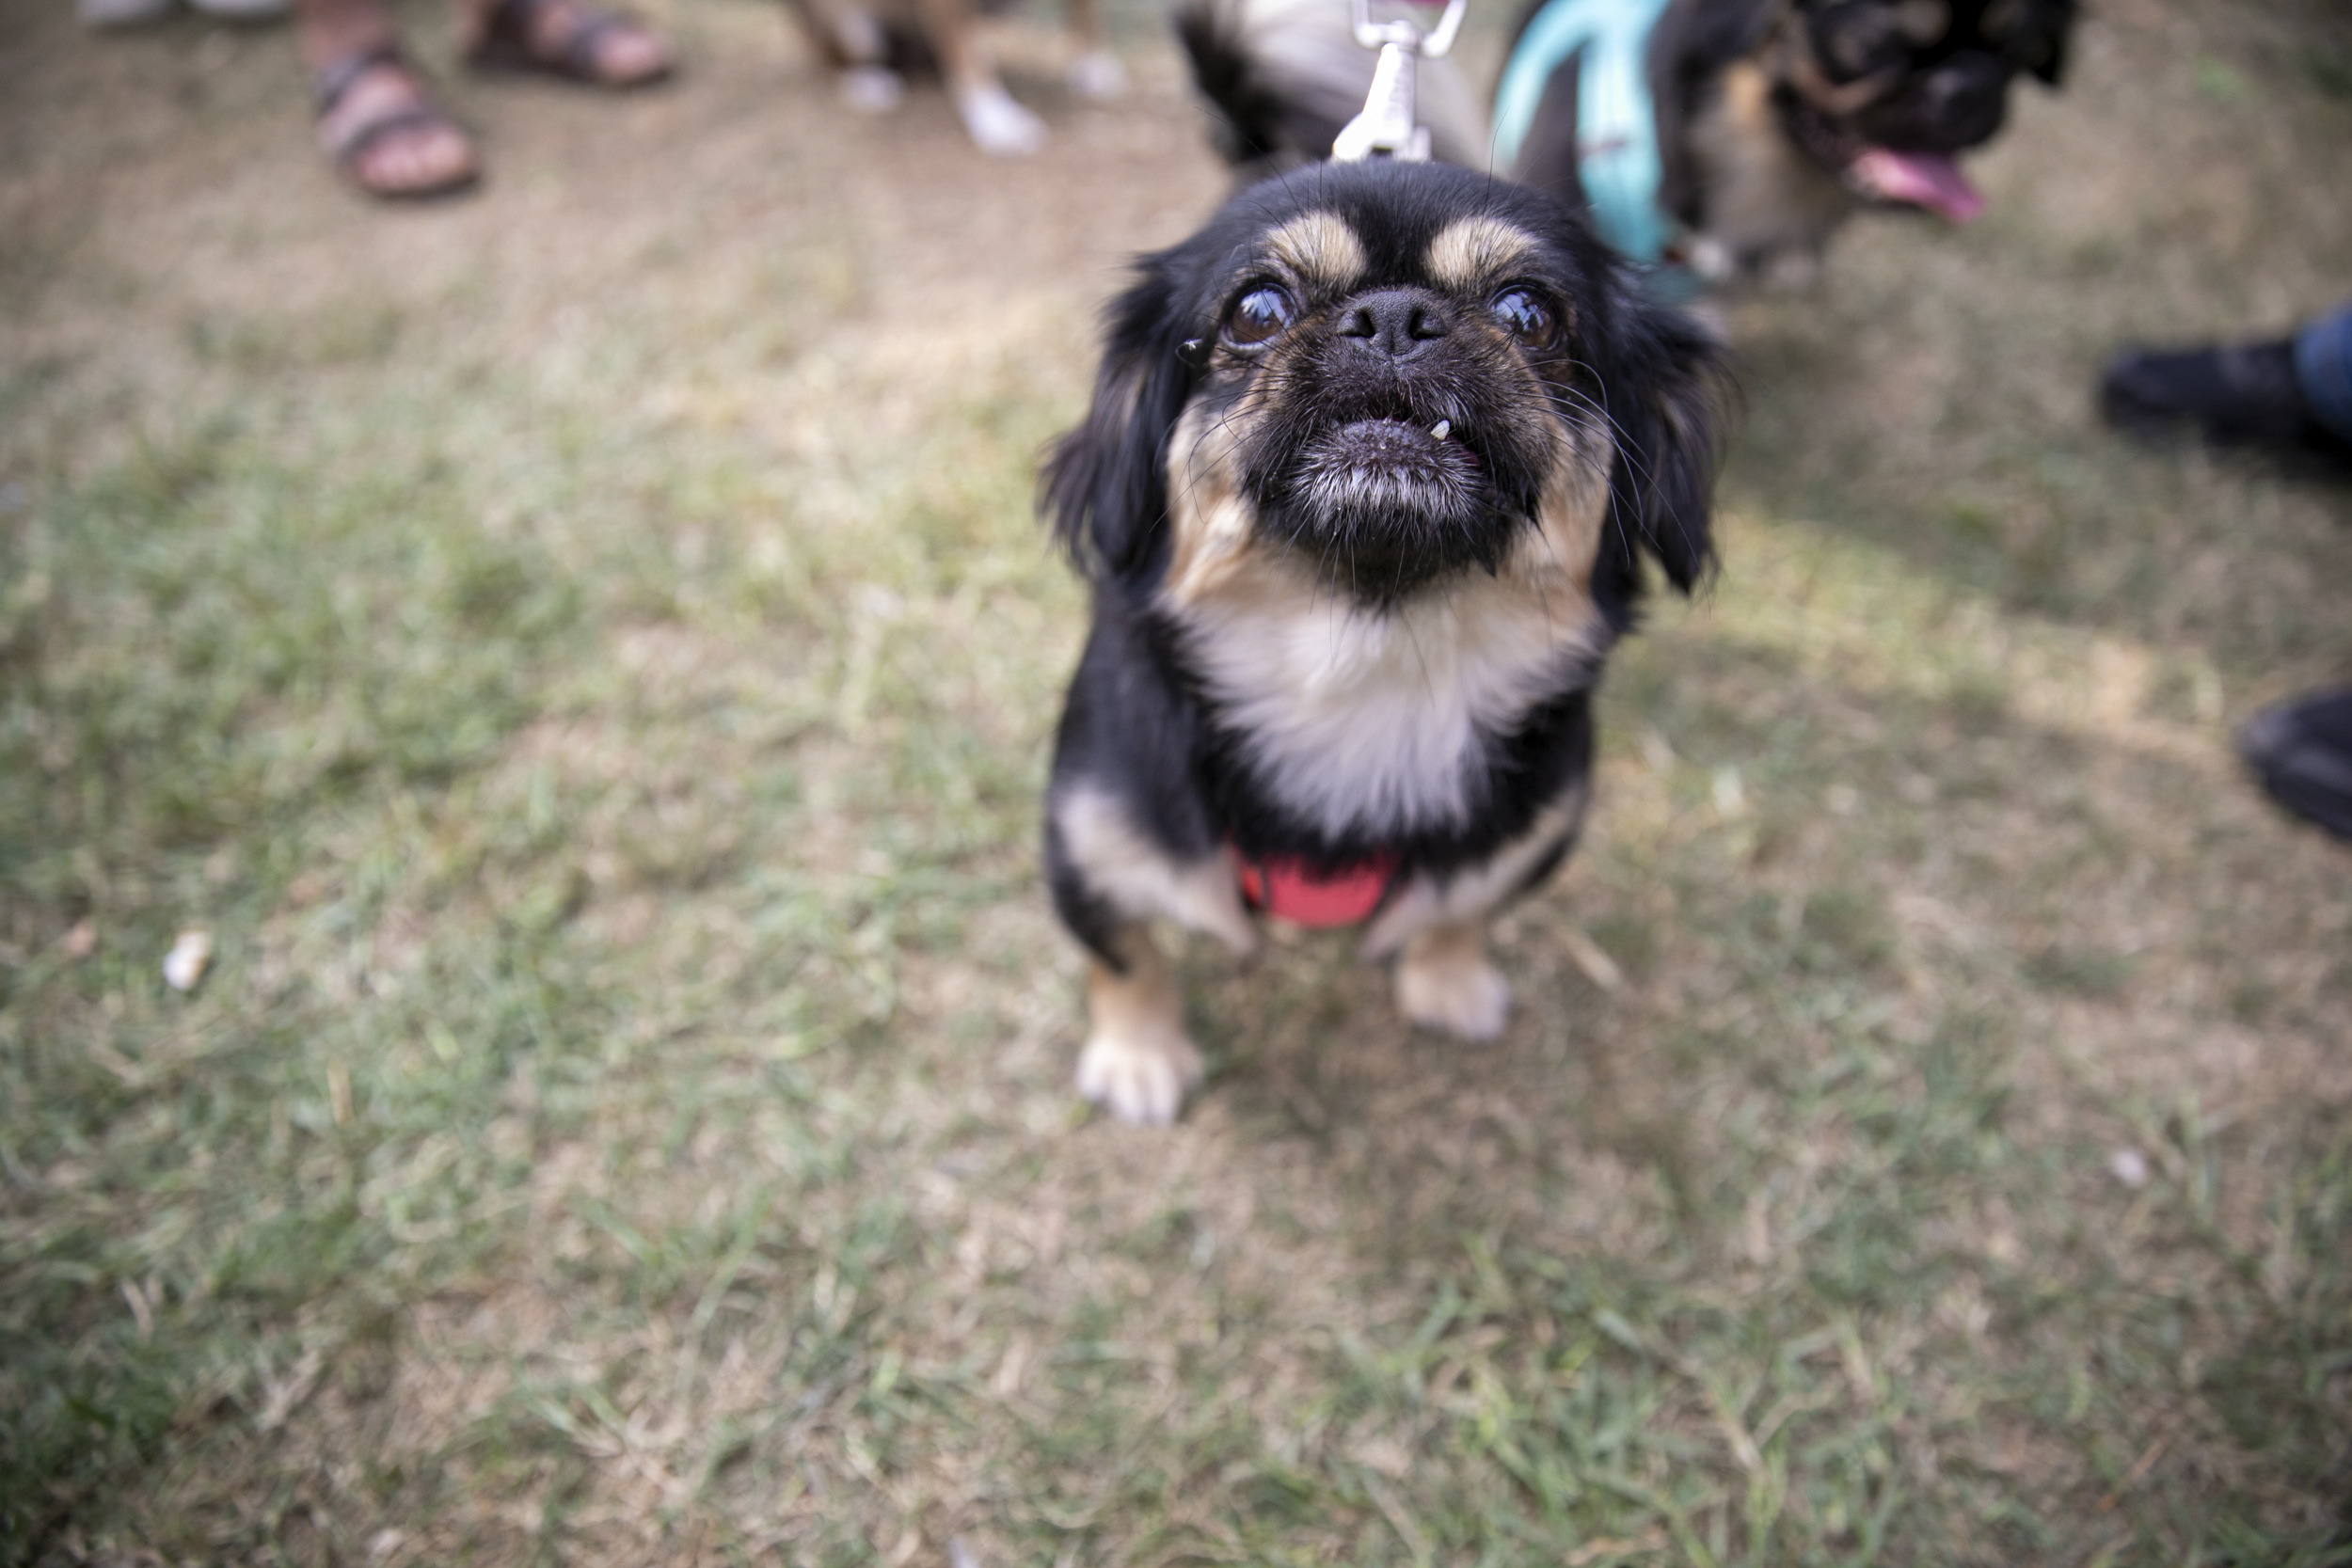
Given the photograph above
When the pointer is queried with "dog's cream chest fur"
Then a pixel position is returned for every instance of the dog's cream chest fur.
(1375, 721)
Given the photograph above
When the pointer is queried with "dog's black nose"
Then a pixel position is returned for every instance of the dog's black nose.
(1957, 105)
(1966, 98)
(1399, 322)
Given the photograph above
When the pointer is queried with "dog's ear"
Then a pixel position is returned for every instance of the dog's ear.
(2030, 35)
(2056, 19)
(1694, 42)
(1104, 485)
(1670, 433)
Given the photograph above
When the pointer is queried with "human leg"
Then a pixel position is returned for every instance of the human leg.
(2301, 751)
(373, 118)
(564, 38)
(2290, 394)
(2323, 368)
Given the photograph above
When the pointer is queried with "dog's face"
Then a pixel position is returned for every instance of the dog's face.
(1884, 91)
(1388, 379)
(1387, 417)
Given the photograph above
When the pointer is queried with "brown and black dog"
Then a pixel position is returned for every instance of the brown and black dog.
(1374, 465)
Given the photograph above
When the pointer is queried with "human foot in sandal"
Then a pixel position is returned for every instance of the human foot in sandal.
(571, 40)
(377, 124)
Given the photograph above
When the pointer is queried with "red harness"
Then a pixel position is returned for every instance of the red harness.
(1287, 889)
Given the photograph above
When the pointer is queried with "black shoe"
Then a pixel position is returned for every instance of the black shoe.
(2237, 394)
(2303, 752)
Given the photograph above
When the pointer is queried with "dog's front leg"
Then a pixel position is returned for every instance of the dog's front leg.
(1444, 981)
(996, 124)
(1138, 1062)
(1095, 73)
(1436, 926)
(854, 42)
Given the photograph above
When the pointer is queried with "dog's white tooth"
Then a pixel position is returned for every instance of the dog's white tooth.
(1442, 429)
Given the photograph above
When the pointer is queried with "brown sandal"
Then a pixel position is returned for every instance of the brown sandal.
(510, 41)
(332, 84)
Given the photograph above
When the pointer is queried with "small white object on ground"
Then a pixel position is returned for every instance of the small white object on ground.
(999, 127)
(2130, 1168)
(1096, 76)
(1731, 799)
(184, 966)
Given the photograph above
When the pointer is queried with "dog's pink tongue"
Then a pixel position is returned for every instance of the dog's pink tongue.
(1929, 179)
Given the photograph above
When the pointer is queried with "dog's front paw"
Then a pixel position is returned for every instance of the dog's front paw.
(999, 127)
(1138, 1077)
(1096, 76)
(872, 90)
(1444, 982)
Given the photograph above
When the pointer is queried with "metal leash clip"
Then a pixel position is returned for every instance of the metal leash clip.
(1386, 128)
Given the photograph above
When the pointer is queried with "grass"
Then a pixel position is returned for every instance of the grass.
(586, 659)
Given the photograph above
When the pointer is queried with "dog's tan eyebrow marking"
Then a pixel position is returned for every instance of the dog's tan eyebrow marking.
(1470, 251)
(1321, 248)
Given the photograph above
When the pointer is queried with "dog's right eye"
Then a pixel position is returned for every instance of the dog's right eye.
(1526, 318)
(1260, 314)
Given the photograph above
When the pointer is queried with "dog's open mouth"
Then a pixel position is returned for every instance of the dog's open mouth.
(1930, 181)
(1378, 463)
(1385, 504)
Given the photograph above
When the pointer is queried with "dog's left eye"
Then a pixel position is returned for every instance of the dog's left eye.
(1260, 314)
(1525, 317)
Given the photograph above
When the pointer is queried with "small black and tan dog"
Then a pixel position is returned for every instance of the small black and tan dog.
(1372, 466)
(1730, 136)
(1774, 121)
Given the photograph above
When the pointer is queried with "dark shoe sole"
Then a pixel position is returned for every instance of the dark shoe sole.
(2301, 752)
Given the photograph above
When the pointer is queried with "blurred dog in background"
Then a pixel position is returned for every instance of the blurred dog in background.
(1281, 77)
(876, 49)
(1730, 137)
(1767, 123)
(1374, 465)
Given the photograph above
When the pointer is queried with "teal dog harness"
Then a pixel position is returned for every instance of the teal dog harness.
(1616, 125)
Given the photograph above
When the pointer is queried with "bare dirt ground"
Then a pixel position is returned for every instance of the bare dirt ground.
(585, 654)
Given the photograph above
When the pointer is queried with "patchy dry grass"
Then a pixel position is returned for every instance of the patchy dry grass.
(585, 657)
